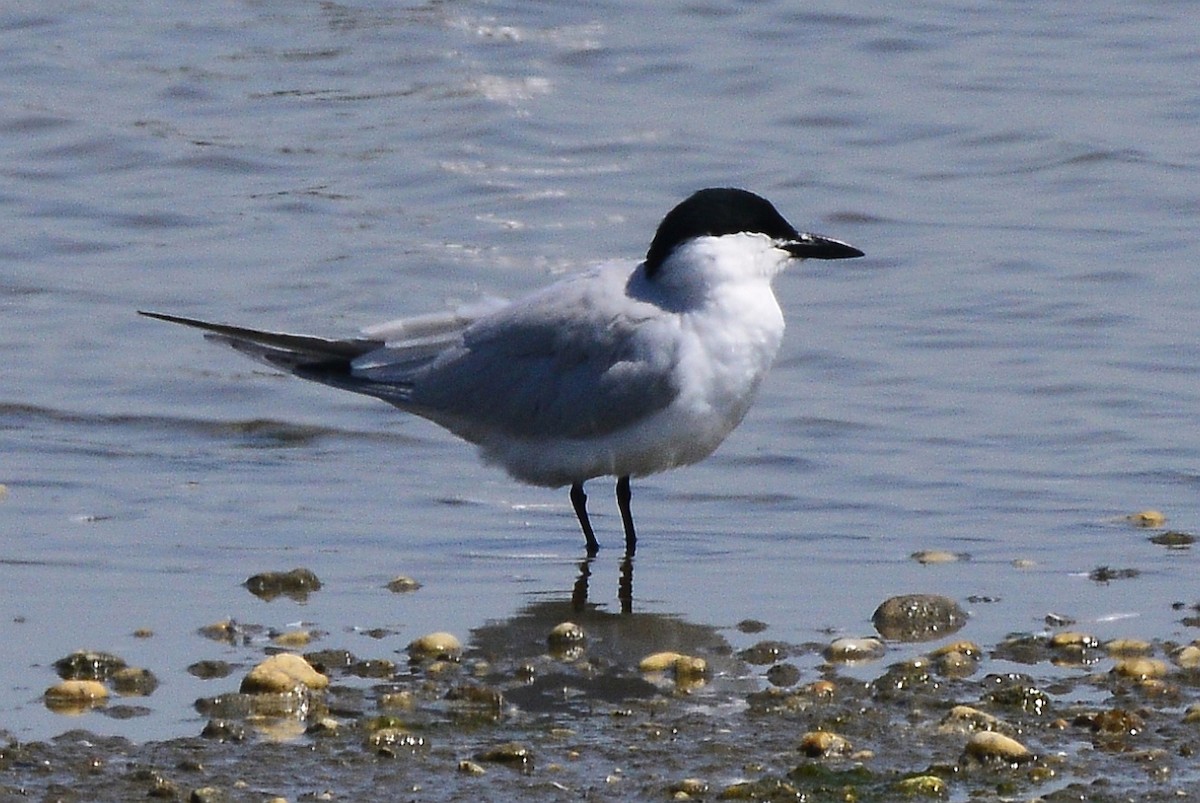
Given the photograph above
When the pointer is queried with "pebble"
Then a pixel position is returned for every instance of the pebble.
(507, 753)
(965, 719)
(1071, 639)
(292, 638)
(281, 674)
(133, 681)
(1191, 716)
(845, 650)
(395, 740)
(918, 617)
(1147, 518)
(821, 744)
(398, 700)
(324, 726)
(402, 585)
(924, 786)
(1188, 657)
(296, 584)
(208, 794)
(1172, 539)
(934, 556)
(764, 652)
(88, 665)
(565, 633)
(210, 669)
(683, 666)
(222, 730)
(956, 664)
(1128, 647)
(1113, 721)
(438, 646)
(1140, 668)
(471, 768)
(992, 746)
(691, 787)
(783, 675)
(75, 695)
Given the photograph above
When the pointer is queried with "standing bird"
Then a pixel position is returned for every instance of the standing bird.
(609, 373)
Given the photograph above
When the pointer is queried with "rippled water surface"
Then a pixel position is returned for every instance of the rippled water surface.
(1010, 371)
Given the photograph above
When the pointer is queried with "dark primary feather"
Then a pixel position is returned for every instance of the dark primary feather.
(317, 358)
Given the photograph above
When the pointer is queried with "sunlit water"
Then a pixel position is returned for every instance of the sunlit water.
(1011, 370)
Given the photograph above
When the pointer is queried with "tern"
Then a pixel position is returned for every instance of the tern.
(619, 371)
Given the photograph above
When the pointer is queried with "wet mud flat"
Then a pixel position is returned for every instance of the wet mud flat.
(571, 702)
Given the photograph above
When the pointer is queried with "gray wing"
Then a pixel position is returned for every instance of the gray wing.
(576, 360)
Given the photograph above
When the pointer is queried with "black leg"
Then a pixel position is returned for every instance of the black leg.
(623, 496)
(579, 502)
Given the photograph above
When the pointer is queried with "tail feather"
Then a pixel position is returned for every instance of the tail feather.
(319, 359)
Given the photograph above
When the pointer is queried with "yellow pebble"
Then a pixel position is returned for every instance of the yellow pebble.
(1147, 518)
(282, 673)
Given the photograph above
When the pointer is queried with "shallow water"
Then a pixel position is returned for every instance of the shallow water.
(1011, 370)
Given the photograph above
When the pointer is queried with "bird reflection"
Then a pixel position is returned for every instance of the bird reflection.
(579, 592)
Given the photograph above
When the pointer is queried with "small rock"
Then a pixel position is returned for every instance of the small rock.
(965, 719)
(133, 681)
(438, 646)
(325, 726)
(992, 746)
(397, 701)
(1113, 721)
(764, 652)
(471, 768)
(1188, 657)
(208, 794)
(292, 638)
(507, 753)
(1192, 715)
(934, 556)
(684, 667)
(783, 675)
(1140, 668)
(821, 744)
(1128, 648)
(210, 670)
(692, 787)
(281, 674)
(566, 641)
(923, 785)
(1073, 639)
(1173, 539)
(372, 668)
(918, 617)
(75, 696)
(846, 650)
(402, 585)
(88, 665)
(480, 696)
(566, 633)
(222, 730)
(296, 584)
(954, 664)
(1147, 518)
(393, 741)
